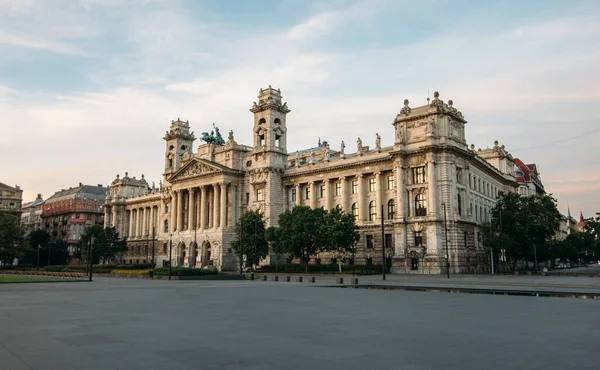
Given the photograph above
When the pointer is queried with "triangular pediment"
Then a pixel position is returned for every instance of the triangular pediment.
(196, 168)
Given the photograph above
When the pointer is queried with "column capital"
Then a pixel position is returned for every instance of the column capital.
(359, 175)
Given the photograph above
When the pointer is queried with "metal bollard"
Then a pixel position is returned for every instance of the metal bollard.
(288, 279)
(299, 279)
(312, 279)
(354, 281)
(275, 278)
(252, 275)
(339, 281)
(265, 277)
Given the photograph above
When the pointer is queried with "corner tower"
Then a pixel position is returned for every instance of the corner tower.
(179, 141)
(268, 158)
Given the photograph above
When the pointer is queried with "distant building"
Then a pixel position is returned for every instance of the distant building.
(66, 214)
(11, 199)
(435, 191)
(31, 215)
(529, 179)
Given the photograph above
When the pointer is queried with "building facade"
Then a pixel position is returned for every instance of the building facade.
(67, 213)
(31, 215)
(529, 179)
(429, 190)
(11, 199)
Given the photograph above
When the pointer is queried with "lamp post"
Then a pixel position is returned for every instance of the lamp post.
(446, 235)
(38, 258)
(91, 256)
(153, 262)
(171, 253)
(382, 244)
(241, 245)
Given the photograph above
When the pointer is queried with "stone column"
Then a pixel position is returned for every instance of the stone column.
(203, 206)
(298, 195)
(131, 223)
(379, 191)
(432, 184)
(223, 206)
(313, 194)
(114, 217)
(198, 207)
(401, 192)
(467, 201)
(144, 221)
(152, 227)
(173, 210)
(328, 194)
(362, 204)
(213, 210)
(233, 204)
(191, 209)
(345, 194)
(180, 210)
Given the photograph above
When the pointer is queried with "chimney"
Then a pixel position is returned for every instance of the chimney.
(99, 185)
(39, 196)
(80, 184)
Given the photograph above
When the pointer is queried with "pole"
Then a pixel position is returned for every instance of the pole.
(382, 245)
(153, 263)
(38, 258)
(91, 256)
(241, 244)
(491, 249)
(254, 257)
(446, 234)
(48, 255)
(170, 255)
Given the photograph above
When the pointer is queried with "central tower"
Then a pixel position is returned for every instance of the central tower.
(269, 155)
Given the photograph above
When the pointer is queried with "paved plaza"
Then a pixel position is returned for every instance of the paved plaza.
(141, 324)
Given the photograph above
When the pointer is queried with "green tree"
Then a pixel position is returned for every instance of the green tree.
(523, 224)
(592, 231)
(250, 238)
(273, 237)
(12, 241)
(340, 233)
(107, 244)
(302, 232)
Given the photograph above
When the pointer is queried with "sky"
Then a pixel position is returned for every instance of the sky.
(89, 87)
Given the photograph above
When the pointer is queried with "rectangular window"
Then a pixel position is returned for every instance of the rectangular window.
(293, 194)
(372, 184)
(338, 189)
(418, 238)
(388, 241)
(369, 261)
(459, 175)
(322, 190)
(307, 192)
(354, 186)
(465, 239)
(77, 215)
(418, 175)
(369, 241)
(390, 181)
(260, 194)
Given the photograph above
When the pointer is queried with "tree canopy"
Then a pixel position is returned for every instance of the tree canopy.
(106, 247)
(12, 241)
(250, 238)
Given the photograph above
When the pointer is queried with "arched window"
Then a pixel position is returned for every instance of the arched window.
(372, 211)
(355, 211)
(277, 121)
(476, 214)
(338, 207)
(420, 205)
(391, 209)
(166, 226)
(459, 205)
(262, 121)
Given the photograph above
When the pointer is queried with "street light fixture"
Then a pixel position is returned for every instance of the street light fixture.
(171, 252)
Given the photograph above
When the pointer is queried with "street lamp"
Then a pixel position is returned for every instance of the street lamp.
(153, 262)
(171, 252)
(446, 234)
(38, 258)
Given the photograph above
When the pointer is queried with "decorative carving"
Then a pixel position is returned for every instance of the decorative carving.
(431, 126)
(377, 142)
(359, 146)
(436, 102)
(342, 147)
(195, 169)
(406, 109)
(230, 136)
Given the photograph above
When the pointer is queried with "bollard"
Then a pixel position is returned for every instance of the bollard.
(339, 281)
(288, 279)
(265, 277)
(313, 280)
(275, 278)
(299, 279)
(354, 281)
(252, 275)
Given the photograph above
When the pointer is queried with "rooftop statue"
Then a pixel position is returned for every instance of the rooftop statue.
(214, 137)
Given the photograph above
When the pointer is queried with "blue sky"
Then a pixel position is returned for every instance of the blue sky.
(88, 87)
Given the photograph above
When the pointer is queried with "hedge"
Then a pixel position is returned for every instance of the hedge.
(184, 271)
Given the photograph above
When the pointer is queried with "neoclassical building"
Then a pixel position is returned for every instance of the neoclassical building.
(434, 190)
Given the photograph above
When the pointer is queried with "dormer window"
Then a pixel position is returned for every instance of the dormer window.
(183, 147)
